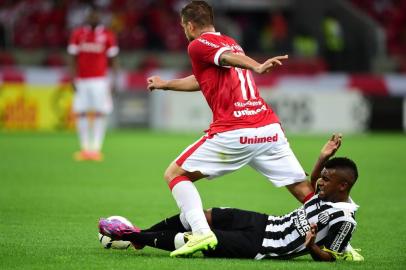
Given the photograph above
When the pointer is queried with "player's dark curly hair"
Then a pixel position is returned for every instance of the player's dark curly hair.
(345, 164)
(198, 12)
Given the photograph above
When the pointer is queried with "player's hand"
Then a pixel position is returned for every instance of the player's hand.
(332, 145)
(270, 63)
(155, 82)
(311, 235)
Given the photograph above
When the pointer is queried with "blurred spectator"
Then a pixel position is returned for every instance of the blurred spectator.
(392, 16)
(305, 46)
(10, 12)
(334, 43)
(77, 12)
(2, 36)
(6, 59)
(152, 25)
(275, 35)
(229, 27)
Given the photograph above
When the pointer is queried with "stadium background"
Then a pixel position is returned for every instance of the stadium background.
(346, 73)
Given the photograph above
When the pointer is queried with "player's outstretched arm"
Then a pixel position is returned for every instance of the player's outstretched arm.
(246, 62)
(187, 84)
(328, 150)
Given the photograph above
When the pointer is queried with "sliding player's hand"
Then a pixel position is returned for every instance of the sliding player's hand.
(332, 145)
(311, 235)
(270, 63)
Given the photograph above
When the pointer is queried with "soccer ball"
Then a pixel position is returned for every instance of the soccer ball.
(107, 242)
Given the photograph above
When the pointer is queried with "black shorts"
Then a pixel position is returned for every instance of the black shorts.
(239, 233)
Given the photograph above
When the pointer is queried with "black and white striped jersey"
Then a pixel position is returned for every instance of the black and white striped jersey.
(285, 235)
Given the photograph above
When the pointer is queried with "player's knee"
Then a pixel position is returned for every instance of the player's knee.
(172, 172)
(169, 175)
(167, 178)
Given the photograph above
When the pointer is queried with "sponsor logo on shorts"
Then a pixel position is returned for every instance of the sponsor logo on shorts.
(255, 140)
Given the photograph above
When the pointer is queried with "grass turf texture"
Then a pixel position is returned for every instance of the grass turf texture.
(50, 204)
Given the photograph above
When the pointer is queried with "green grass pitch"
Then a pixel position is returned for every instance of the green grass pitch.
(50, 204)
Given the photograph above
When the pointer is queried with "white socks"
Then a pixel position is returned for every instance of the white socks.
(99, 130)
(188, 199)
(184, 222)
(83, 128)
(91, 135)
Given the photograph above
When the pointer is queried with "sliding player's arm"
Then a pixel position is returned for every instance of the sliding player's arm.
(228, 58)
(337, 239)
(328, 150)
(316, 252)
(187, 84)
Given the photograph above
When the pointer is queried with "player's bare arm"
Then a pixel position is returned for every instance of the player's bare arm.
(242, 61)
(72, 69)
(328, 150)
(114, 68)
(72, 66)
(187, 84)
(315, 251)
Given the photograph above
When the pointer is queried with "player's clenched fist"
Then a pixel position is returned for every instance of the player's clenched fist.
(155, 82)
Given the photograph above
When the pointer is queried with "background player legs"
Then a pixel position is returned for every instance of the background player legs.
(91, 131)
(83, 130)
(98, 132)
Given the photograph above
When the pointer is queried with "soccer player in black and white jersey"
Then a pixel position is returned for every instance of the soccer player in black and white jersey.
(323, 226)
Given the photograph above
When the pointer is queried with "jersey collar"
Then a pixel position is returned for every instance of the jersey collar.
(211, 33)
(98, 28)
(350, 205)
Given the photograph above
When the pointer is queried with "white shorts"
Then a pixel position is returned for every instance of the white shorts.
(265, 149)
(92, 95)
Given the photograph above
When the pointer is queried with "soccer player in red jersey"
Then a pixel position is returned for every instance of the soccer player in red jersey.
(244, 131)
(91, 47)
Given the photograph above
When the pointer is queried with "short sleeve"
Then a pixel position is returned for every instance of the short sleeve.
(73, 45)
(206, 51)
(112, 47)
(339, 236)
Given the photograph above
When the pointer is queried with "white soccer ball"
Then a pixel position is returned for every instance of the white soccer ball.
(107, 242)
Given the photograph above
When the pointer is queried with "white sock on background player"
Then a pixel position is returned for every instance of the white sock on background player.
(83, 129)
(188, 200)
(99, 130)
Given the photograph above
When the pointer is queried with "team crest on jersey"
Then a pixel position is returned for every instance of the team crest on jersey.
(324, 217)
